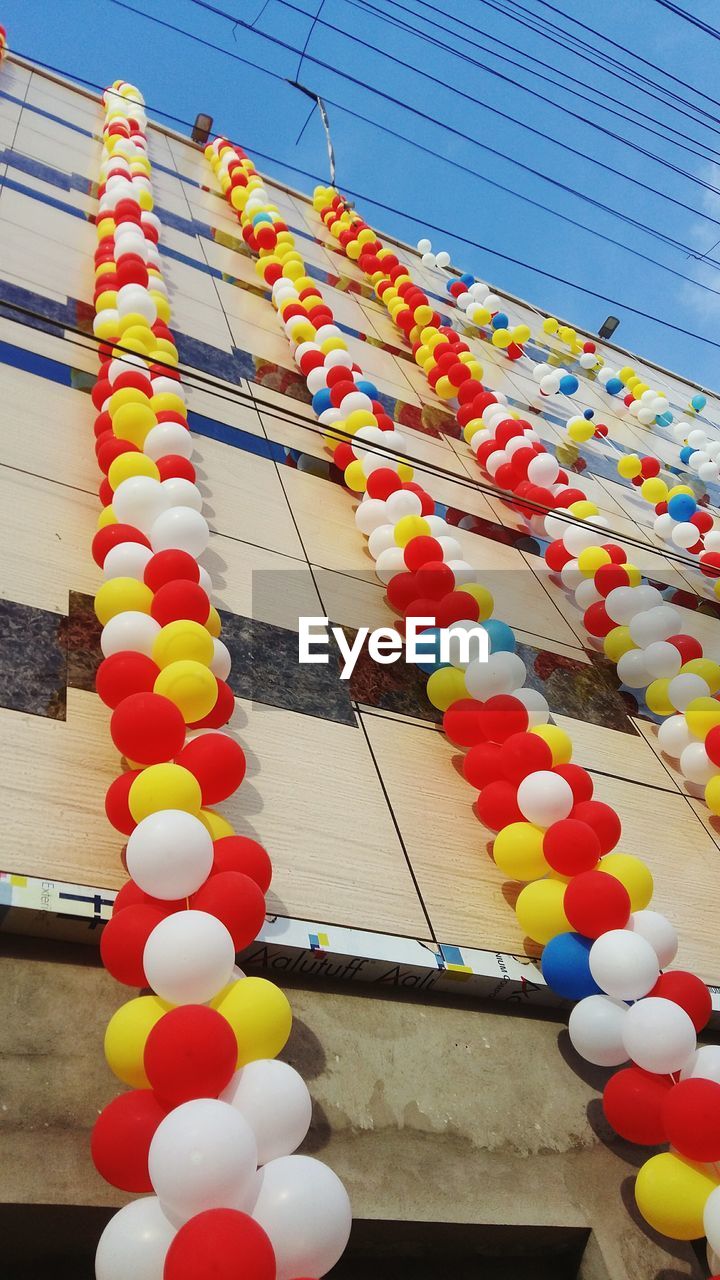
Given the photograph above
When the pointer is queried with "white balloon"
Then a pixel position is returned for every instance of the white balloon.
(134, 299)
(180, 529)
(221, 661)
(662, 660)
(443, 258)
(500, 674)
(544, 797)
(170, 854)
(712, 540)
(624, 964)
(134, 1242)
(658, 931)
(654, 624)
(543, 469)
(274, 1100)
(188, 957)
(685, 534)
(424, 246)
(550, 383)
(595, 1028)
(621, 604)
(381, 539)
(586, 593)
(139, 501)
(168, 438)
(126, 560)
(180, 492)
(205, 581)
(535, 704)
(371, 515)
(711, 1220)
(696, 765)
(659, 1035)
(632, 671)
(203, 1155)
(304, 1208)
(704, 1064)
(390, 562)
(451, 548)
(463, 571)
(576, 538)
(403, 502)
(674, 736)
(683, 688)
(663, 526)
(428, 260)
(129, 630)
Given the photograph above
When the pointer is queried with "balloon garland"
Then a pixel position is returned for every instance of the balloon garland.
(586, 902)
(207, 1130)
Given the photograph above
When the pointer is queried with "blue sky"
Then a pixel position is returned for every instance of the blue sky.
(99, 40)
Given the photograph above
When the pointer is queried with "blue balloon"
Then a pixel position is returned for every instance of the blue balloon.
(261, 217)
(566, 966)
(321, 400)
(686, 453)
(500, 321)
(664, 419)
(682, 506)
(698, 402)
(368, 387)
(589, 414)
(569, 384)
(500, 636)
(613, 386)
(468, 278)
(428, 643)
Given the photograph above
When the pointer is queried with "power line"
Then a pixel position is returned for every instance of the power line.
(690, 17)
(669, 240)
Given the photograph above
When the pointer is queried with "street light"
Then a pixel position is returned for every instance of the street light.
(201, 128)
(608, 327)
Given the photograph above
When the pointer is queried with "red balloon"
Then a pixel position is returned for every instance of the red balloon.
(593, 906)
(578, 779)
(556, 555)
(456, 606)
(461, 722)
(597, 619)
(191, 1052)
(123, 674)
(117, 808)
(111, 448)
(180, 599)
(111, 536)
(121, 1139)
(383, 482)
(241, 853)
(483, 764)
(148, 728)
(222, 711)
(633, 1103)
(571, 847)
(712, 744)
(170, 566)
(402, 590)
(497, 805)
(524, 753)
(222, 1243)
(691, 1113)
(687, 646)
(502, 716)
(218, 763)
(687, 990)
(418, 551)
(603, 820)
(123, 942)
(435, 579)
(131, 895)
(237, 901)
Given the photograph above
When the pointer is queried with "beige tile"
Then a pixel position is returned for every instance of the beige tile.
(46, 532)
(254, 582)
(243, 497)
(324, 516)
(623, 755)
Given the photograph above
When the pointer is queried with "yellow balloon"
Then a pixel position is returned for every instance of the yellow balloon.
(218, 826)
(656, 696)
(107, 516)
(409, 527)
(131, 464)
(708, 671)
(501, 338)
(712, 794)
(355, 477)
(540, 910)
(133, 421)
(654, 490)
(357, 419)
(483, 598)
(521, 333)
(671, 1194)
(125, 1037)
(629, 466)
(580, 430)
(182, 640)
(701, 715)
(633, 873)
(214, 622)
(168, 402)
(583, 509)
(191, 686)
(444, 388)
(119, 595)
(617, 642)
(259, 1014)
(405, 471)
(558, 741)
(164, 786)
(591, 559)
(518, 851)
(445, 686)
(550, 325)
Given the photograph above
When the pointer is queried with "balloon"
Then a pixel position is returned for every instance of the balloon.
(540, 911)
(497, 805)
(671, 1194)
(182, 641)
(126, 1035)
(544, 797)
(164, 786)
(518, 851)
(595, 1029)
(236, 900)
(218, 763)
(703, 1065)
(170, 566)
(123, 674)
(148, 728)
(121, 1139)
(595, 903)
(134, 1243)
(304, 1208)
(659, 1035)
(633, 1102)
(203, 1156)
(140, 500)
(566, 967)
(180, 599)
(179, 528)
(259, 1014)
(222, 1243)
(523, 753)
(557, 740)
(603, 820)
(571, 847)
(624, 965)
(691, 1112)
(658, 932)
(240, 853)
(687, 991)
(633, 873)
(123, 940)
(274, 1100)
(188, 957)
(170, 854)
(190, 1053)
(131, 630)
(191, 686)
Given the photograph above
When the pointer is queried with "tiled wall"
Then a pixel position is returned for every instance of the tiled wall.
(358, 796)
